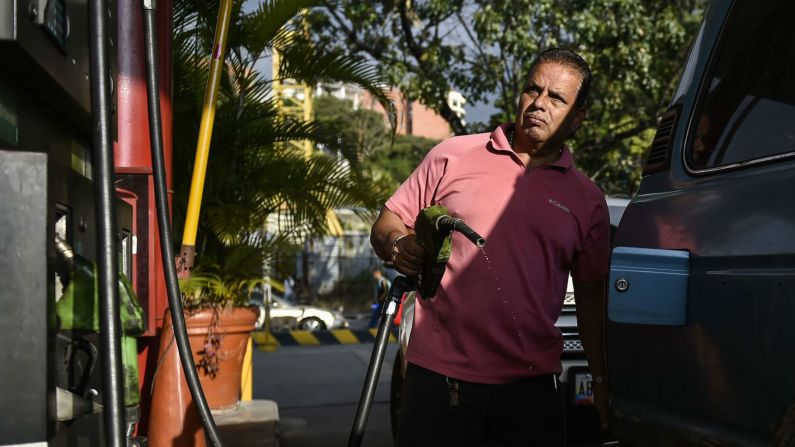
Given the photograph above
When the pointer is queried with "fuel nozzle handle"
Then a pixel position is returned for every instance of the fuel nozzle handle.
(446, 224)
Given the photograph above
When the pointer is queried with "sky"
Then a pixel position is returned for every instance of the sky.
(479, 112)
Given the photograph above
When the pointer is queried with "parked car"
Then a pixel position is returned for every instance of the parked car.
(284, 315)
(582, 421)
(701, 314)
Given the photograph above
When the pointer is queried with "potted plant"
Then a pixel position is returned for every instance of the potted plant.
(219, 321)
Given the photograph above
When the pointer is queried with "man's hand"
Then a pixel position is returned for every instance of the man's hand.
(601, 400)
(407, 255)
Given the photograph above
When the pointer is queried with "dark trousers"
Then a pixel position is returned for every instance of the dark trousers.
(524, 413)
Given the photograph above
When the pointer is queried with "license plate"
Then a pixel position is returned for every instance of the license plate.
(583, 389)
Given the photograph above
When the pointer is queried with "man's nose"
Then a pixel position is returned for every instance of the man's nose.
(541, 101)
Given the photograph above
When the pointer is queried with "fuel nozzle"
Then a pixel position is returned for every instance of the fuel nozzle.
(446, 224)
(433, 228)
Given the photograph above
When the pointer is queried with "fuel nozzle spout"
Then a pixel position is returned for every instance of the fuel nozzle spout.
(433, 228)
(446, 224)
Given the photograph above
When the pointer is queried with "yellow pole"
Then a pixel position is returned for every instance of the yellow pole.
(205, 133)
(247, 378)
(309, 109)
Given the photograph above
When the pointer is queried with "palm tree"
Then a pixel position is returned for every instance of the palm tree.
(249, 177)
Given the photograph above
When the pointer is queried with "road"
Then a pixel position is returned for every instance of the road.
(317, 389)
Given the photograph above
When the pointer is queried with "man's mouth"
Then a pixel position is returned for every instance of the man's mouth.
(534, 120)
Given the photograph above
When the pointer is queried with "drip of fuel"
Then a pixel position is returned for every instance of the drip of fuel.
(505, 301)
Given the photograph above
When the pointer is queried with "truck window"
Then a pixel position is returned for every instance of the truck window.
(747, 106)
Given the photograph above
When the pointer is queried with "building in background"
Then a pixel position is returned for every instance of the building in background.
(456, 101)
(413, 117)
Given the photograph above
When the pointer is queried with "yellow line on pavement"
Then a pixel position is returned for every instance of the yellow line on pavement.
(305, 338)
(265, 341)
(345, 336)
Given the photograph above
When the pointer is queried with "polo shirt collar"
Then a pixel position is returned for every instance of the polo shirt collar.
(565, 161)
(499, 142)
(499, 138)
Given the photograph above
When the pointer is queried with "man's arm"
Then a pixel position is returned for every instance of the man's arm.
(405, 255)
(591, 313)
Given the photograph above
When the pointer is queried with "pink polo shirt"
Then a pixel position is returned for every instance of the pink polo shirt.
(493, 317)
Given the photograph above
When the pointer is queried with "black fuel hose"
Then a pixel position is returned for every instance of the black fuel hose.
(400, 285)
(107, 262)
(446, 224)
(164, 222)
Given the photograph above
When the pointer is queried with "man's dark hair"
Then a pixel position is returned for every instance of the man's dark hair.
(572, 60)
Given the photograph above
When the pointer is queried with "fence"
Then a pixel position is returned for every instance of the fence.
(339, 270)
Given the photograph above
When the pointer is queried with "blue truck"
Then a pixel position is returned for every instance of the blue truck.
(701, 312)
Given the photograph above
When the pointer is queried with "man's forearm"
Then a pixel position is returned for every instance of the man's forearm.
(386, 228)
(591, 313)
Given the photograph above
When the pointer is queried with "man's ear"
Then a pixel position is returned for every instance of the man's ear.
(578, 118)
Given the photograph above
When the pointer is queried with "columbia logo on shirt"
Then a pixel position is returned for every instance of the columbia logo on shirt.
(560, 205)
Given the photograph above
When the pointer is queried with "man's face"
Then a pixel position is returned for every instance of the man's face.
(546, 111)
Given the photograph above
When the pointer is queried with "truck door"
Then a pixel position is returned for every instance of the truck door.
(702, 309)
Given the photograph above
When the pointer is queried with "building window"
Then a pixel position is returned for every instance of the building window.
(747, 108)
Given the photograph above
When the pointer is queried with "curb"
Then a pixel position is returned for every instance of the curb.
(253, 423)
(268, 341)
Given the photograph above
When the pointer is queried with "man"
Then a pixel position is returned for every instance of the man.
(382, 285)
(289, 289)
(485, 352)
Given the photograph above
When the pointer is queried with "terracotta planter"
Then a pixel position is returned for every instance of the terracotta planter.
(173, 417)
(223, 391)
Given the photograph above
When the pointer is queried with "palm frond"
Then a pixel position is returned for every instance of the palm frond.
(313, 65)
(266, 23)
(211, 285)
(249, 177)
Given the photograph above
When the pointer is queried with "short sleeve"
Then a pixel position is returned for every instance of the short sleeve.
(591, 262)
(419, 190)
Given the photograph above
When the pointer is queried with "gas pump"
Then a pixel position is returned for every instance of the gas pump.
(80, 225)
(51, 374)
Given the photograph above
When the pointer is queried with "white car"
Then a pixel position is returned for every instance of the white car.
(284, 315)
